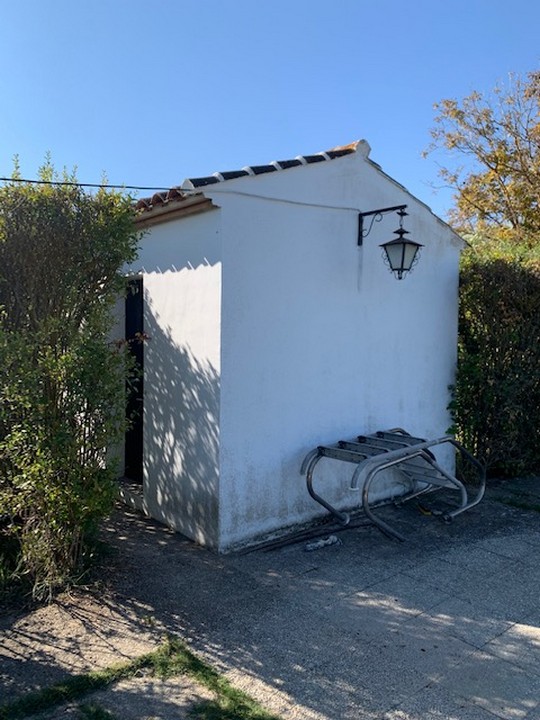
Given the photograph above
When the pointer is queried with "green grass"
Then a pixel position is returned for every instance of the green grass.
(94, 712)
(170, 659)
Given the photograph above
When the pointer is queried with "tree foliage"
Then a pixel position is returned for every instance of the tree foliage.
(496, 403)
(61, 395)
(494, 143)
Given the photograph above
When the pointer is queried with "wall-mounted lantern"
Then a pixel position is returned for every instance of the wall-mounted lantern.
(401, 254)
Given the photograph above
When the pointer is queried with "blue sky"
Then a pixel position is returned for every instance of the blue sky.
(151, 92)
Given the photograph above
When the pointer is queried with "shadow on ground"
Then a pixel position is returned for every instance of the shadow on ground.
(445, 625)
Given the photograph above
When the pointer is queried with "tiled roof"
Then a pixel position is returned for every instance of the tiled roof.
(162, 199)
(217, 177)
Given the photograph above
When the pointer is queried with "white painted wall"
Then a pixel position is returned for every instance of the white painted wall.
(272, 332)
(319, 341)
(181, 267)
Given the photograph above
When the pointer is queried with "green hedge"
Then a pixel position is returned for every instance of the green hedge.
(496, 404)
(62, 399)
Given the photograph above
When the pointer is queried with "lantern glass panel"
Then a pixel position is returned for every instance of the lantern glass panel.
(409, 253)
(395, 253)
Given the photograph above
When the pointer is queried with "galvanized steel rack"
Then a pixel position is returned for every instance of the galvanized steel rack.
(409, 455)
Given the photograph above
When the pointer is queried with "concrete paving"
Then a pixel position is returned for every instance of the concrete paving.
(445, 625)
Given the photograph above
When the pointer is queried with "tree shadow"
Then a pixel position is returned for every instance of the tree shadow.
(181, 435)
(353, 630)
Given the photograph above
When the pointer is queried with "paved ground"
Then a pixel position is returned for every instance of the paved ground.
(444, 626)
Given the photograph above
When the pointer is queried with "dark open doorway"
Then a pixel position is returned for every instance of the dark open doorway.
(134, 330)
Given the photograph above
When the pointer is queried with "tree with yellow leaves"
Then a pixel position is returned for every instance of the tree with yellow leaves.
(493, 142)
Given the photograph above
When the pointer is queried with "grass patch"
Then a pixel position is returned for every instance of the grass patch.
(170, 659)
(94, 712)
(239, 708)
(73, 688)
(230, 704)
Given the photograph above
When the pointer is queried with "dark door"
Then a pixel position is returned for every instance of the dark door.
(134, 335)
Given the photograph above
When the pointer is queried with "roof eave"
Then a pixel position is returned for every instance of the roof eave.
(455, 236)
(174, 209)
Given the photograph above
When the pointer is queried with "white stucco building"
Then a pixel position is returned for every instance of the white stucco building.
(271, 331)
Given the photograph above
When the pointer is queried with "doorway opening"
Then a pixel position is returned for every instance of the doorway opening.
(134, 334)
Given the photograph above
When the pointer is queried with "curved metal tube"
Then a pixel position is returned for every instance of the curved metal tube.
(429, 458)
(309, 457)
(401, 454)
(481, 471)
(386, 529)
(342, 517)
(418, 451)
(374, 464)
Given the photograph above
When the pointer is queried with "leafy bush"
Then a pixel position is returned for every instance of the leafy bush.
(62, 400)
(496, 402)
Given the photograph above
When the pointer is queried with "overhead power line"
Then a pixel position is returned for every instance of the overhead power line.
(81, 184)
(185, 191)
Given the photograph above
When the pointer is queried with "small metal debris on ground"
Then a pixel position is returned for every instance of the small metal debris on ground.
(427, 510)
(323, 542)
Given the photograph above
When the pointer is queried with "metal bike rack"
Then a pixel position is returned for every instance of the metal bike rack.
(411, 456)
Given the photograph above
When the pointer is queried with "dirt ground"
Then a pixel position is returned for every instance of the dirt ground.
(95, 626)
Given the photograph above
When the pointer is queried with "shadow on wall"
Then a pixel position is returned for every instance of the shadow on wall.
(181, 435)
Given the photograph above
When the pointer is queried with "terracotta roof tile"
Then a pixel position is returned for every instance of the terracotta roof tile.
(160, 198)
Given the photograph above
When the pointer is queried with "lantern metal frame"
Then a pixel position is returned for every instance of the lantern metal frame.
(376, 216)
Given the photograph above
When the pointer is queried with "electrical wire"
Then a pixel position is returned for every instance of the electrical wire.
(81, 184)
(211, 189)
(186, 191)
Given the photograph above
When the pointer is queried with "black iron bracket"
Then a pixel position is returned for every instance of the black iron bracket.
(376, 216)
